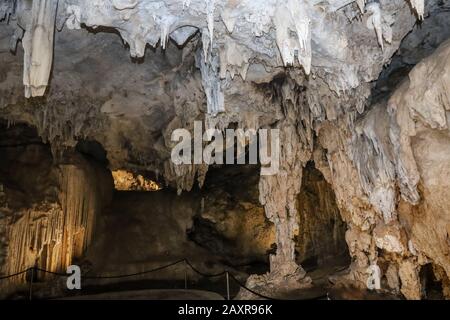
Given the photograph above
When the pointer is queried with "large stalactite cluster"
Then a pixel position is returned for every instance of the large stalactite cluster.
(313, 69)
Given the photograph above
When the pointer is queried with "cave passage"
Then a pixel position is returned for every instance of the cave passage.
(321, 239)
(119, 222)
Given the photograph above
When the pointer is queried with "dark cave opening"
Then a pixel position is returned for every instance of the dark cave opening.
(25, 163)
(231, 221)
(92, 149)
(431, 285)
(233, 190)
(321, 239)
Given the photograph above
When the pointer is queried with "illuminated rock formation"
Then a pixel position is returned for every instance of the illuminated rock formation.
(359, 88)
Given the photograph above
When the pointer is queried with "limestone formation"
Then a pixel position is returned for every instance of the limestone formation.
(357, 89)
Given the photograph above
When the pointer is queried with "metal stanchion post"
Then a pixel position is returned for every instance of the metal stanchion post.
(228, 286)
(31, 283)
(185, 275)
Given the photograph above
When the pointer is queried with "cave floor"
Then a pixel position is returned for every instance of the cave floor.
(167, 294)
(207, 289)
(323, 289)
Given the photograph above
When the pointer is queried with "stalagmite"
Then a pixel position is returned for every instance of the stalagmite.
(38, 46)
(278, 194)
(410, 281)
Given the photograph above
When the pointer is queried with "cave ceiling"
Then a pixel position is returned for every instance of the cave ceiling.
(117, 71)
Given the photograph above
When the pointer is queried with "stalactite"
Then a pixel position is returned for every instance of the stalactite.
(38, 233)
(293, 15)
(6, 9)
(211, 82)
(210, 8)
(142, 22)
(374, 21)
(38, 46)
(419, 7)
(361, 5)
(234, 59)
(165, 26)
(80, 202)
(368, 149)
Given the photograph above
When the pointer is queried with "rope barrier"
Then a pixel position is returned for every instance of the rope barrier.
(137, 273)
(250, 290)
(205, 274)
(14, 275)
(51, 272)
(186, 261)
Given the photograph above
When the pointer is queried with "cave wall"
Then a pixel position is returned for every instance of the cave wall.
(382, 179)
(49, 207)
(221, 225)
(141, 230)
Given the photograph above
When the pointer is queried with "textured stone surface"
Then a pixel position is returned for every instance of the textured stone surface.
(307, 68)
(49, 209)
